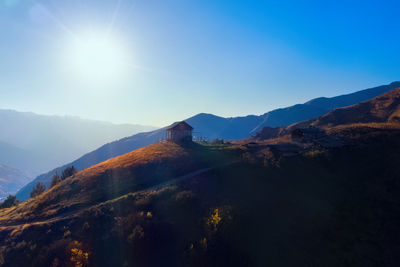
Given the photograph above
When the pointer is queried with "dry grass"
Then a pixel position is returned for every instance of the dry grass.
(116, 177)
(371, 125)
(381, 109)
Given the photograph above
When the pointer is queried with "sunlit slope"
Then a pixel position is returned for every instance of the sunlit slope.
(211, 126)
(321, 199)
(131, 172)
(381, 112)
(382, 109)
(319, 208)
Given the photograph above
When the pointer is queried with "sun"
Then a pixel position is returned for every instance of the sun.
(97, 58)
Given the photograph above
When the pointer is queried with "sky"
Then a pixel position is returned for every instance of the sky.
(154, 62)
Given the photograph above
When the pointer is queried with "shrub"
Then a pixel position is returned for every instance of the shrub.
(79, 257)
(9, 202)
(137, 233)
(69, 171)
(38, 189)
(55, 180)
(214, 219)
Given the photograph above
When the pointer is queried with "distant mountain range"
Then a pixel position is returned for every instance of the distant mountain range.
(210, 126)
(36, 143)
(11, 180)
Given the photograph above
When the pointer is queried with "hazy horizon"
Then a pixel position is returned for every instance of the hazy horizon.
(178, 119)
(153, 63)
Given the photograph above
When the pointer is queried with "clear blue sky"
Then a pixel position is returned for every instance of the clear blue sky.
(177, 58)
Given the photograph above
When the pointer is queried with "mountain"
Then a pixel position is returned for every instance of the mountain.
(17, 157)
(320, 106)
(36, 143)
(210, 126)
(11, 180)
(282, 202)
(382, 111)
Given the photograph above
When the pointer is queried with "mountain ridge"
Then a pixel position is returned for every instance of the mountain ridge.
(381, 112)
(321, 105)
(242, 203)
(11, 180)
(53, 140)
(210, 126)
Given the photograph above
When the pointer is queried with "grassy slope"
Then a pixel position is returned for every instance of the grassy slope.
(211, 126)
(333, 208)
(380, 112)
(130, 172)
(382, 109)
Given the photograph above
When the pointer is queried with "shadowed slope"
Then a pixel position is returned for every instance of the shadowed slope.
(382, 109)
(380, 112)
(332, 208)
(319, 106)
(290, 201)
(211, 126)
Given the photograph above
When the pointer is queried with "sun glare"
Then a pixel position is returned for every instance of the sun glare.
(97, 59)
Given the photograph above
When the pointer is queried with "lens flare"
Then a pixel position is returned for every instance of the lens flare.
(97, 58)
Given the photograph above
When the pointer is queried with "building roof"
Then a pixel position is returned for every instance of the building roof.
(180, 125)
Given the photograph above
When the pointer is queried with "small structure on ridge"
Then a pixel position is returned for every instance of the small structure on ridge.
(179, 132)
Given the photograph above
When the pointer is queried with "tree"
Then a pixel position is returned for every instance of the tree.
(55, 180)
(38, 189)
(9, 202)
(69, 171)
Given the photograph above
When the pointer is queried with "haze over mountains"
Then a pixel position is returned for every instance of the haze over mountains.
(36, 143)
(11, 180)
(210, 126)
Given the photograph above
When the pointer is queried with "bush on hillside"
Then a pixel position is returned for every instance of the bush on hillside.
(9, 202)
(55, 180)
(38, 189)
(69, 171)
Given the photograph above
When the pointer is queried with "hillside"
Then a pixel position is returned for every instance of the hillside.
(324, 195)
(380, 112)
(53, 140)
(211, 127)
(381, 109)
(320, 106)
(249, 204)
(11, 180)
